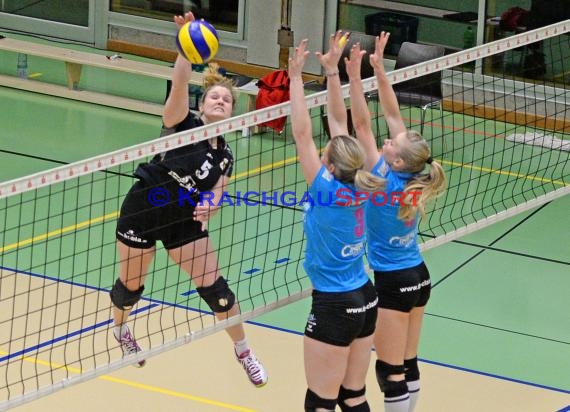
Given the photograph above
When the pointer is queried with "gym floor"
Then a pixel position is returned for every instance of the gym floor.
(495, 337)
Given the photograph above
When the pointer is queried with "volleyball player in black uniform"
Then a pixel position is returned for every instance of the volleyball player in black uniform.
(164, 204)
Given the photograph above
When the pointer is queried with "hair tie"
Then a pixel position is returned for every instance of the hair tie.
(429, 160)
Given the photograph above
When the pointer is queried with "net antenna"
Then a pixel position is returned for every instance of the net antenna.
(503, 144)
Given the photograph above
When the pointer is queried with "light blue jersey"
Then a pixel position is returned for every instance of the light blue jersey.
(392, 243)
(335, 236)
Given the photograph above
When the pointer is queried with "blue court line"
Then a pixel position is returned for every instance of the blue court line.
(444, 365)
(69, 335)
(254, 270)
(100, 289)
(565, 409)
(279, 329)
(67, 282)
(190, 292)
(251, 271)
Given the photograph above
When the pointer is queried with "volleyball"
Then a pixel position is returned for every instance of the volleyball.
(197, 41)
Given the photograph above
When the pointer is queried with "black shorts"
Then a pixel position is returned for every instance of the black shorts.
(404, 289)
(338, 318)
(144, 219)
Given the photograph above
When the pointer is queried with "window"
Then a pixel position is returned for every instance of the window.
(223, 14)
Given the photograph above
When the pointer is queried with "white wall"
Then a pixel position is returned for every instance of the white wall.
(264, 20)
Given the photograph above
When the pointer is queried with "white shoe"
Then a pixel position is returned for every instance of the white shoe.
(253, 367)
(129, 346)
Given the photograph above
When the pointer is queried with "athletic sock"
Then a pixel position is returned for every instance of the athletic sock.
(397, 404)
(120, 331)
(414, 390)
(241, 347)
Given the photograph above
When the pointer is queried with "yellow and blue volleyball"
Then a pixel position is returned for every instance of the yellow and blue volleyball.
(197, 41)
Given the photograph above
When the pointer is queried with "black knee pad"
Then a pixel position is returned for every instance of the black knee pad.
(344, 394)
(383, 370)
(218, 296)
(124, 298)
(395, 389)
(412, 370)
(314, 401)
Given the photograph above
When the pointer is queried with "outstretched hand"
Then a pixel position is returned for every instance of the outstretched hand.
(354, 63)
(376, 59)
(181, 20)
(297, 62)
(330, 59)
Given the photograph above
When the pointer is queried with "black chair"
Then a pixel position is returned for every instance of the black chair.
(424, 92)
(367, 42)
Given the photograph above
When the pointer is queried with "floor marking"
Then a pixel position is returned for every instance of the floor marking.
(58, 232)
(132, 384)
(69, 335)
(251, 271)
(254, 270)
(248, 173)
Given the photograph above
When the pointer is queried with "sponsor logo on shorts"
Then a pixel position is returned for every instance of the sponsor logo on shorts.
(130, 235)
(311, 323)
(415, 288)
(362, 309)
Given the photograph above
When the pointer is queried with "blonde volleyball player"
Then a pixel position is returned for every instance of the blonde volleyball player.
(181, 226)
(401, 278)
(340, 327)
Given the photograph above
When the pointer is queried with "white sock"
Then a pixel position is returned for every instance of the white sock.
(120, 331)
(396, 397)
(241, 347)
(414, 390)
(397, 404)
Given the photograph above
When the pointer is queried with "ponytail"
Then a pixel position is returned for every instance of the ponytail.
(429, 186)
(364, 180)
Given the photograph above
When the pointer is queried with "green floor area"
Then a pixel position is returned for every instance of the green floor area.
(498, 299)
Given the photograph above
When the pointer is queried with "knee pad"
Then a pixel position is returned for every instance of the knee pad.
(218, 296)
(412, 370)
(124, 298)
(314, 401)
(383, 370)
(344, 394)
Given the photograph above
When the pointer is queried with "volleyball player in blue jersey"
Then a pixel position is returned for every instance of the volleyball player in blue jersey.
(180, 225)
(401, 277)
(340, 327)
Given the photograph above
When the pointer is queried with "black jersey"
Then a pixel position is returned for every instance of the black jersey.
(196, 167)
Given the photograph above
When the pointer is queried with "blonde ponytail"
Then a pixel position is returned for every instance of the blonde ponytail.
(429, 186)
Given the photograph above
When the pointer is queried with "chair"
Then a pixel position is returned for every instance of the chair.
(368, 43)
(425, 91)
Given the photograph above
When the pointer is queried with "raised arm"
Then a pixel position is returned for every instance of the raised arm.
(178, 102)
(300, 118)
(386, 93)
(359, 108)
(336, 109)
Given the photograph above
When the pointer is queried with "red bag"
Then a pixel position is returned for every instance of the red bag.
(273, 89)
(514, 18)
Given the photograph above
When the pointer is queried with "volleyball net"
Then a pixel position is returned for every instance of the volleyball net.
(502, 135)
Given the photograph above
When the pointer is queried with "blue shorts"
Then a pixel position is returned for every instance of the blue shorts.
(338, 318)
(403, 289)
